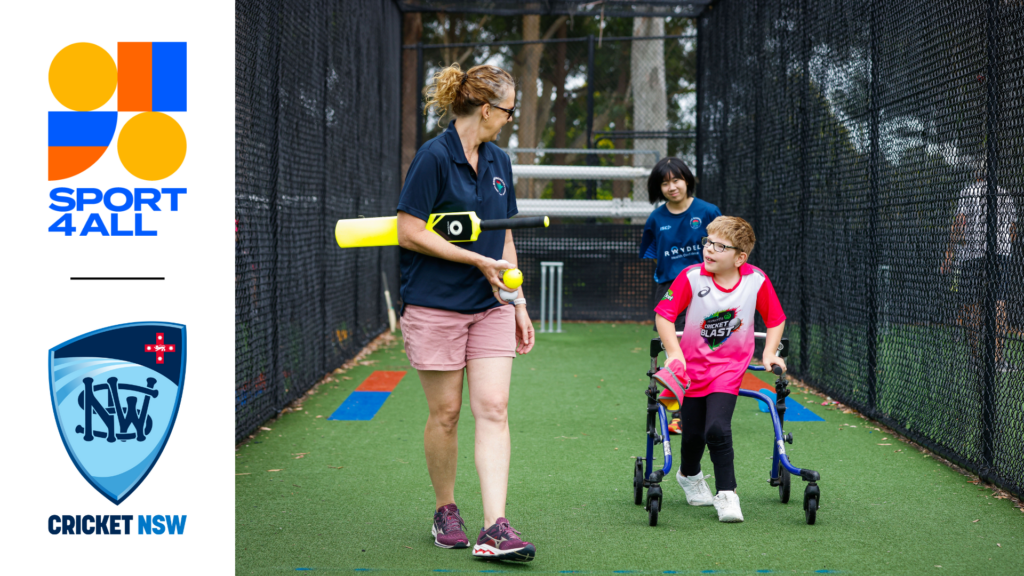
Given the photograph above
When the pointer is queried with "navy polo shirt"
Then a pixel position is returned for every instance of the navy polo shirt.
(440, 180)
(674, 239)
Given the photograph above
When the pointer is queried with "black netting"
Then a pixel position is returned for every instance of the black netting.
(609, 8)
(602, 278)
(876, 147)
(317, 139)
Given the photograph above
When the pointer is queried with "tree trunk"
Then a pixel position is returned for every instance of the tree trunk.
(650, 108)
(506, 132)
(530, 58)
(558, 186)
(412, 33)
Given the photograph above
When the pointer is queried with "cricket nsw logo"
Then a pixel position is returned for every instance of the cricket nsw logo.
(149, 78)
(115, 394)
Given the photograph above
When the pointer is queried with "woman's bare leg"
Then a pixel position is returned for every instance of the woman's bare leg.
(440, 437)
(489, 380)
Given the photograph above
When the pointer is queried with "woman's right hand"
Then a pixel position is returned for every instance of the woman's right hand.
(492, 270)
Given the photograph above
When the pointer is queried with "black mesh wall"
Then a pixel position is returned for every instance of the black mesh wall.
(876, 148)
(609, 8)
(602, 279)
(317, 139)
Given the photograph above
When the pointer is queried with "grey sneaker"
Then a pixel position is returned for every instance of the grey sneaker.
(502, 542)
(448, 529)
(696, 489)
(728, 505)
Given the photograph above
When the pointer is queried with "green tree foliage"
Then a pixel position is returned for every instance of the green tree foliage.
(613, 106)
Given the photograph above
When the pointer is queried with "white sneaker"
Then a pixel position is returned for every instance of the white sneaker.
(696, 488)
(728, 505)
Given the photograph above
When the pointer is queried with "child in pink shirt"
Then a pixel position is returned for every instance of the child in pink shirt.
(707, 363)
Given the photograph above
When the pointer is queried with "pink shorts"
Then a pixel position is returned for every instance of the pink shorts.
(444, 340)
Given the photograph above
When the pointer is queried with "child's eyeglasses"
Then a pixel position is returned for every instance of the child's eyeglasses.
(718, 246)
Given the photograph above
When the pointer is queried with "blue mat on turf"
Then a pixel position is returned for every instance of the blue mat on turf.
(795, 412)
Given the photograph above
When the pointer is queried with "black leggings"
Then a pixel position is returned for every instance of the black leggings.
(708, 421)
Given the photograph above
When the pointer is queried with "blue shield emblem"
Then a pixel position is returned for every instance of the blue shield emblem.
(115, 394)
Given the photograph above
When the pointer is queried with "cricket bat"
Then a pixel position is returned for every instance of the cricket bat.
(452, 226)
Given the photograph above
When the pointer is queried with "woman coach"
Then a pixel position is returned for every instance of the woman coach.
(452, 318)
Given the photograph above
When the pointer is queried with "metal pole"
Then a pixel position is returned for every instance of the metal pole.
(419, 95)
(591, 185)
(992, 272)
(551, 299)
(543, 293)
(758, 115)
(874, 284)
(805, 189)
(550, 41)
(700, 103)
(559, 297)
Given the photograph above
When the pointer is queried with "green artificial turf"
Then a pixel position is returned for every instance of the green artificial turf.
(356, 495)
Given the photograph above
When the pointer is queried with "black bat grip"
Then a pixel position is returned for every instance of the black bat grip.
(515, 223)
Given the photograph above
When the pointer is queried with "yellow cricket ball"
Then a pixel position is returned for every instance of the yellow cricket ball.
(512, 278)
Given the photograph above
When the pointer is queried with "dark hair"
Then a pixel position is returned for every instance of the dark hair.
(665, 168)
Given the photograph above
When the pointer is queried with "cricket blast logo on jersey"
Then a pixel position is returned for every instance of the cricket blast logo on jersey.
(717, 327)
(115, 394)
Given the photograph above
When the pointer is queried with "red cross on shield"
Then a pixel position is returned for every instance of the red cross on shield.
(159, 348)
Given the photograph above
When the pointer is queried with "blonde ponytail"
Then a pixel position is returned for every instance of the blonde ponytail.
(451, 88)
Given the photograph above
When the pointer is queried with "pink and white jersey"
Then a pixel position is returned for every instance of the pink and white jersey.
(718, 339)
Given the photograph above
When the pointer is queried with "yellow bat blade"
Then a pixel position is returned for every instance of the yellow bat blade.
(364, 232)
(452, 226)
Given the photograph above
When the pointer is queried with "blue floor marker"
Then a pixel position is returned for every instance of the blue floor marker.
(360, 406)
(365, 401)
(795, 412)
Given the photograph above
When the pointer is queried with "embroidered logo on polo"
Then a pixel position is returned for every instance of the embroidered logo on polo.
(499, 186)
(695, 222)
(717, 327)
(115, 394)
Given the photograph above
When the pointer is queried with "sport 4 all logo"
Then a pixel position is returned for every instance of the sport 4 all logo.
(115, 394)
(716, 328)
(149, 78)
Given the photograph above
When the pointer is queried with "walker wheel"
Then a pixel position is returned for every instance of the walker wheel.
(654, 506)
(784, 483)
(812, 497)
(638, 482)
(811, 510)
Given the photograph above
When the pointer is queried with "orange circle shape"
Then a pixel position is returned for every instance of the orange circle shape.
(151, 146)
(83, 76)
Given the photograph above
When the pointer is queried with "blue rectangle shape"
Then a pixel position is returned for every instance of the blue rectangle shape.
(81, 128)
(170, 80)
(360, 406)
(795, 412)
